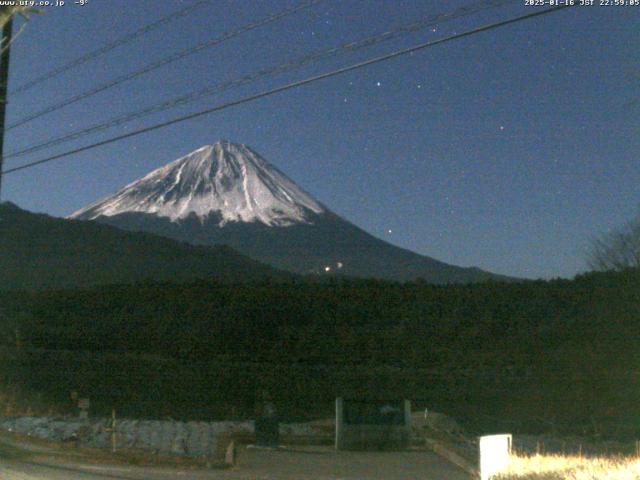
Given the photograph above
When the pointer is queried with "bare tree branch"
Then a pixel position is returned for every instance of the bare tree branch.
(618, 249)
(6, 13)
(6, 43)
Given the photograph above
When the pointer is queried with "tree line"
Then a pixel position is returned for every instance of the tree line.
(570, 340)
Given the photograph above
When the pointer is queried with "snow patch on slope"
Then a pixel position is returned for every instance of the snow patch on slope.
(227, 178)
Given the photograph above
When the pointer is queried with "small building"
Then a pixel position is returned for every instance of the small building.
(382, 424)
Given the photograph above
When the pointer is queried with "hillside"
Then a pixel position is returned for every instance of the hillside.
(41, 252)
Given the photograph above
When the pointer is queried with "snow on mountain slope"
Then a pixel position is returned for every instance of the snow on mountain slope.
(226, 178)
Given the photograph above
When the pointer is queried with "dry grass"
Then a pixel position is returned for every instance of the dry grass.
(560, 467)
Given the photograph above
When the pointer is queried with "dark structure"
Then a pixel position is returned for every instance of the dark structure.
(372, 424)
(267, 425)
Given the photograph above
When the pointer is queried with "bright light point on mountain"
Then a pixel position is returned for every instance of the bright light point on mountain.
(327, 268)
(340, 265)
(378, 84)
(389, 231)
(501, 127)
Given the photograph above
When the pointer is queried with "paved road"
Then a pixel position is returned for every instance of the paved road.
(327, 464)
(28, 470)
(299, 464)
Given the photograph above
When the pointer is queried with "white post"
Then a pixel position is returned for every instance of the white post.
(113, 430)
(83, 405)
(407, 422)
(339, 420)
(494, 454)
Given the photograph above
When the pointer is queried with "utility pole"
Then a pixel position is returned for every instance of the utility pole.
(4, 80)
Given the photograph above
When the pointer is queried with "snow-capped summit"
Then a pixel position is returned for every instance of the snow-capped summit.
(225, 178)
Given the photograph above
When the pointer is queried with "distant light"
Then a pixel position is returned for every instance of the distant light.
(378, 84)
(389, 231)
(327, 269)
(501, 127)
(339, 265)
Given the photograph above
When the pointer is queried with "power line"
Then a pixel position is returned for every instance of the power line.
(292, 85)
(278, 69)
(162, 62)
(107, 48)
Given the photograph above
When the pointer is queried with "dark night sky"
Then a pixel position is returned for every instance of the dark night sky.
(508, 150)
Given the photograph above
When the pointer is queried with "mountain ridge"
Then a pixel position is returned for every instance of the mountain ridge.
(42, 252)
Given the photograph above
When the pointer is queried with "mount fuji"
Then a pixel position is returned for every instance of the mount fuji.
(228, 194)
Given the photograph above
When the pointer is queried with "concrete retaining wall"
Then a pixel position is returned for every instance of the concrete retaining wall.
(192, 439)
